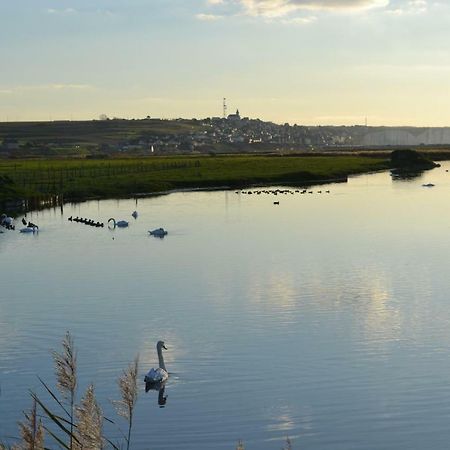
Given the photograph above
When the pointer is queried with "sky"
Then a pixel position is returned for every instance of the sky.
(310, 62)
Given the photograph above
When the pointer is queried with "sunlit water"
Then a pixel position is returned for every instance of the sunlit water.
(325, 318)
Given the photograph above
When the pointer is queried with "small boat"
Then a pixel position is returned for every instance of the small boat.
(159, 232)
(428, 185)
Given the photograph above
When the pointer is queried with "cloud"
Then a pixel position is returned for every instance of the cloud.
(45, 87)
(281, 8)
(410, 7)
(79, 12)
(303, 12)
(65, 11)
(208, 17)
(300, 20)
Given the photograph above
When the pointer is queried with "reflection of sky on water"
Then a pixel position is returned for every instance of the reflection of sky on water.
(324, 318)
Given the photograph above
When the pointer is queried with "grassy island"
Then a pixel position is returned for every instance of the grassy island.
(81, 179)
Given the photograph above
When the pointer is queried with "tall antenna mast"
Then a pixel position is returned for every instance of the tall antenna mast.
(224, 108)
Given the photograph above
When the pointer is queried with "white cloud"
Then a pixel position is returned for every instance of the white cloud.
(45, 87)
(64, 11)
(410, 7)
(300, 20)
(281, 8)
(78, 12)
(208, 17)
(295, 11)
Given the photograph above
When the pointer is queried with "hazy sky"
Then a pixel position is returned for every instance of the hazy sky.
(297, 61)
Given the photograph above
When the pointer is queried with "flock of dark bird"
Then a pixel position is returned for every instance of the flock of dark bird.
(281, 191)
(89, 222)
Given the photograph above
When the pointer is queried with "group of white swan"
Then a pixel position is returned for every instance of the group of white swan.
(7, 222)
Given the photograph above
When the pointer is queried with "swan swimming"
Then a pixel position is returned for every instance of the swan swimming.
(120, 223)
(160, 374)
(29, 230)
(160, 232)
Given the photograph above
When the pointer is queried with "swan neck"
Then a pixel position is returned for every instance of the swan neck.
(161, 359)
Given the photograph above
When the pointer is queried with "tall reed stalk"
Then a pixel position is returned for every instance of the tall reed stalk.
(31, 431)
(66, 375)
(89, 416)
(129, 392)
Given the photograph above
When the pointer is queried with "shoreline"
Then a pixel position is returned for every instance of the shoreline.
(35, 184)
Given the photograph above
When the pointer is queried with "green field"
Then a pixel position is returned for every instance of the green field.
(79, 179)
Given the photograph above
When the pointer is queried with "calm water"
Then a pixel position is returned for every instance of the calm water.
(325, 319)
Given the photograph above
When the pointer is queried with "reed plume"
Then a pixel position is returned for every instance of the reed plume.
(66, 375)
(89, 423)
(128, 390)
(31, 431)
(288, 444)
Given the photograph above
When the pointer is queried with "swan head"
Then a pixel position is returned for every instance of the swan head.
(160, 345)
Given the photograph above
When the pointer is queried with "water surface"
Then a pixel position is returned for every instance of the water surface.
(325, 318)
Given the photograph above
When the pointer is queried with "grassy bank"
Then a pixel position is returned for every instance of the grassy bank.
(79, 179)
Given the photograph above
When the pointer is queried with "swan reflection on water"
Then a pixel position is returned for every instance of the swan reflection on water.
(160, 387)
(155, 380)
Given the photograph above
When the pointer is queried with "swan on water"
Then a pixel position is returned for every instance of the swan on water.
(29, 229)
(160, 374)
(6, 221)
(159, 232)
(120, 223)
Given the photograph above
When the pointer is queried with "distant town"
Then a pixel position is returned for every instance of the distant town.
(233, 133)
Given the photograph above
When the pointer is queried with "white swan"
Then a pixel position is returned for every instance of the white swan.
(6, 221)
(120, 223)
(29, 230)
(160, 374)
(160, 232)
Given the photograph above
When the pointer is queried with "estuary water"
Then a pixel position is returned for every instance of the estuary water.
(325, 319)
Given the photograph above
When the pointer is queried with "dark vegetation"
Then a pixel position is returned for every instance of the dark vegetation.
(80, 179)
(407, 160)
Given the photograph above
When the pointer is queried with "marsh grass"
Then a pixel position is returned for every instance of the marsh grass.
(129, 393)
(76, 179)
(66, 375)
(89, 416)
(31, 431)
